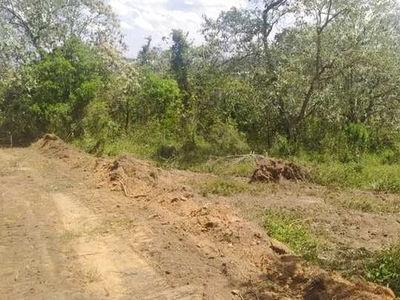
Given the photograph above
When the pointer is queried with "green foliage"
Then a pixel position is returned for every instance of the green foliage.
(368, 174)
(179, 59)
(99, 127)
(226, 139)
(281, 147)
(325, 87)
(384, 268)
(51, 95)
(159, 98)
(241, 167)
(28, 28)
(391, 156)
(143, 141)
(289, 229)
(358, 138)
(226, 186)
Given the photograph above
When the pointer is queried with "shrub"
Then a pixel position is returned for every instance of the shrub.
(287, 228)
(384, 268)
(281, 147)
(224, 138)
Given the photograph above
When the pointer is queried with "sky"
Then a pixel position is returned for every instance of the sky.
(156, 18)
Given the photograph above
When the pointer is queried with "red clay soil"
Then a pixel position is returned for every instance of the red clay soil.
(272, 170)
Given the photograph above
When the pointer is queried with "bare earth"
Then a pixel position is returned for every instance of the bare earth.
(65, 234)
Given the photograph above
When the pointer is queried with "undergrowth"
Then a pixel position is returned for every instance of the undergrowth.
(219, 167)
(227, 186)
(369, 173)
(383, 267)
(291, 230)
(366, 172)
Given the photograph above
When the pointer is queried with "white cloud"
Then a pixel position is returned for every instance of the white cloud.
(143, 24)
(125, 25)
(156, 18)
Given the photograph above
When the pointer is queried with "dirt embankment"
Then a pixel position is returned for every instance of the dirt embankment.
(213, 241)
(272, 170)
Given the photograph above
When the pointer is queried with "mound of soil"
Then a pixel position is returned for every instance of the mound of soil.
(271, 170)
(53, 146)
(126, 174)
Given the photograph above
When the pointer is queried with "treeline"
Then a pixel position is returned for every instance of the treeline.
(279, 76)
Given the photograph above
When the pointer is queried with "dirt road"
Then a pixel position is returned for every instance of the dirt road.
(64, 236)
(55, 244)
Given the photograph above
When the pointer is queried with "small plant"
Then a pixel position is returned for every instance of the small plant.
(384, 268)
(225, 187)
(289, 229)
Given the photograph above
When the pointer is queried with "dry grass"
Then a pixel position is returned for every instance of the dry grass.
(363, 203)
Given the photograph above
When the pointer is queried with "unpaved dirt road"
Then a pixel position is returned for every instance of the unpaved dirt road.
(55, 245)
(65, 235)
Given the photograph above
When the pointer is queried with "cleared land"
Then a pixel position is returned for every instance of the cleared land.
(76, 227)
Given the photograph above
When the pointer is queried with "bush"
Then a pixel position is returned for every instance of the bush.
(226, 139)
(384, 268)
(281, 147)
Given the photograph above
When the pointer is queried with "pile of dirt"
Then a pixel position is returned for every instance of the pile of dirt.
(272, 170)
(126, 174)
(53, 146)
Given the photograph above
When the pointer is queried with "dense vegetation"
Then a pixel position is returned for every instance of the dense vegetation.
(312, 79)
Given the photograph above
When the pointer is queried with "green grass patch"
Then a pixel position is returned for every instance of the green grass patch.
(227, 186)
(291, 230)
(369, 173)
(231, 168)
(383, 267)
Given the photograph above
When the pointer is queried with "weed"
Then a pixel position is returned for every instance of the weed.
(226, 186)
(364, 204)
(217, 167)
(289, 229)
(383, 267)
(368, 174)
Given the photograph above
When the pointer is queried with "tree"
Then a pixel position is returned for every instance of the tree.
(51, 95)
(180, 61)
(35, 27)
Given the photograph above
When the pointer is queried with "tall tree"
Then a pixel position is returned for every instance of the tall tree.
(37, 26)
(180, 61)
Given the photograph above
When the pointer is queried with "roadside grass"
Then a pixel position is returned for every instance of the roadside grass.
(290, 229)
(383, 267)
(367, 174)
(227, 186)
(226, 168)
(363, 204)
